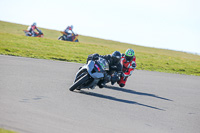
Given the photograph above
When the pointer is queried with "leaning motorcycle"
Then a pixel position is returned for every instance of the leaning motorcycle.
(90, 74)
(38, 34)
(73, 38)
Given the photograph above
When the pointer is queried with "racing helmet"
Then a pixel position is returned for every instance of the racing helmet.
(116, 57)
(72, 27)
(129, 54)
(34, 24)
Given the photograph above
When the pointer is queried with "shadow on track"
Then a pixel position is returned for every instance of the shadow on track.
(135, 92)
(115, 99)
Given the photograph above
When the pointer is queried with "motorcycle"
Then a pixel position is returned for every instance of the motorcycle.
(90, 75)
(73, 38)
(38, 34)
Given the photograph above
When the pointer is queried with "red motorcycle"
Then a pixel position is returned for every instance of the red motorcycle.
(73, 38)
(38, 34)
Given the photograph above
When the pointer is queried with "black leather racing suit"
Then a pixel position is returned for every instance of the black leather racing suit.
(113, 67)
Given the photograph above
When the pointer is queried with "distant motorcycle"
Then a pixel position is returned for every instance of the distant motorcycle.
(90, 75)
(73, 38)
(38, 34)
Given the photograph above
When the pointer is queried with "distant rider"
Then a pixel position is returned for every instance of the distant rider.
(69, 35)
(129, 64)
(114, 66)
(32, 28)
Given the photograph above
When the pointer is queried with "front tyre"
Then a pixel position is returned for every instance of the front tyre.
(79, 82)
(60, 38)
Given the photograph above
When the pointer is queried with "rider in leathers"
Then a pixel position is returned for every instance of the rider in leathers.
(115, 66)
(69, 35)
(129, 64)
(32, 29)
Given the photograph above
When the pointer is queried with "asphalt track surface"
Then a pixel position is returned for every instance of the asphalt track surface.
(34, 98)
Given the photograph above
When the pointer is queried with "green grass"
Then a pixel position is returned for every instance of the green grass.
(6, 131)
(14, 42)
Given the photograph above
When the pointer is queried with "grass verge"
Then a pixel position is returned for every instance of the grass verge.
(13, 42)
(6, 131)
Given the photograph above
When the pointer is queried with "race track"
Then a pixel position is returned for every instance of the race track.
(34, 98)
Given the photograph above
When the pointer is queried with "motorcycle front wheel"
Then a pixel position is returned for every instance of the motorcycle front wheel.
(60, 38)
(79, 82)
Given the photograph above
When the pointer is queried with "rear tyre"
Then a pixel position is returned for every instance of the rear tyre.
(79, 82)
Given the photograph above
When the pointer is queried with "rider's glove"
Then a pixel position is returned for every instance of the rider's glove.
(95, 57)
(134, 65)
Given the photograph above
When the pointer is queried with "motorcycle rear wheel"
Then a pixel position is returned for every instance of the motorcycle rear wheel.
(79, 82)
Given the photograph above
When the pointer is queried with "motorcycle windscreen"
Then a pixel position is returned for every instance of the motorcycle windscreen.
(104, 64)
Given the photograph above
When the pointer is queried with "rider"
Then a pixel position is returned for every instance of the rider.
(114, 65)
(32, 28)
(67, 31)
(129, 64)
